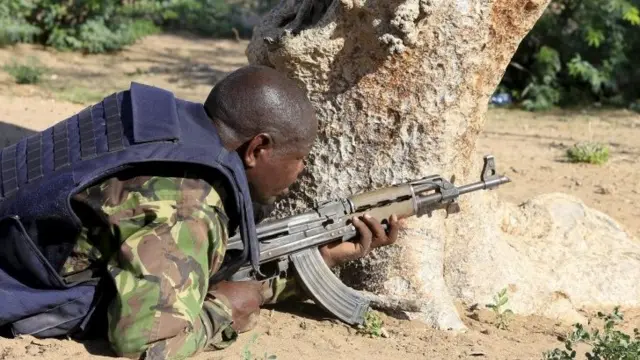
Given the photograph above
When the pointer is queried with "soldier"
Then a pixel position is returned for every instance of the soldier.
(125, 209)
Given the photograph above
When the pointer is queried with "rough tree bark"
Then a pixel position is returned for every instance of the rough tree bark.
(401, 88)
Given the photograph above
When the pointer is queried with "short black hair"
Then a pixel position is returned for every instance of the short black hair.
(258, 99)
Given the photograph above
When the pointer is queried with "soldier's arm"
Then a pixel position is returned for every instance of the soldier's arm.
(280, 289)
(171, 242)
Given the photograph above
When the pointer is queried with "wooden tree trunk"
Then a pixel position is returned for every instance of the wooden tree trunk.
(401, 89)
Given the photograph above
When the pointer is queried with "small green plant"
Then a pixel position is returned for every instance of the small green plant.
(372, 325)
(28, 73)
(248, 355)
(606, 344)
(588, 152)
(502, 315)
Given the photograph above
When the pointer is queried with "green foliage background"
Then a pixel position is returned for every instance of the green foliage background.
(580, 52)
(97, 26)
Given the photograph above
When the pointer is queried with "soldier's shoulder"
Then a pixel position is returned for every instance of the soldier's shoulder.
(119, 190)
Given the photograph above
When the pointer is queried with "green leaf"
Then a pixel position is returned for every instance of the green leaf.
(632, 15)
(594, 37)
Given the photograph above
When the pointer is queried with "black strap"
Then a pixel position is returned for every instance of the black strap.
(34, 157)
(60, 145)
(90, 273)
(87, 134)
(9, 170)
(113, 123)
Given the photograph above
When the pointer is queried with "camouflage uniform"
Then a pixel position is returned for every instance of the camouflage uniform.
(161, 238)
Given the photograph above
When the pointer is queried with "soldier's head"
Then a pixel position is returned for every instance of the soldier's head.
(268, 119)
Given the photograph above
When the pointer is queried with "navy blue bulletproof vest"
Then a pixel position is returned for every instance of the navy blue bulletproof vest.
(39, 174)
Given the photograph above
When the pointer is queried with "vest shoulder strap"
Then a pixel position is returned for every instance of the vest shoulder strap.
(149, 105)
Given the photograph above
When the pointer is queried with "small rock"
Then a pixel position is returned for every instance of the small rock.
(485, 331)
(39, 342)
(604, 190)
(303, 325)
(384, 333)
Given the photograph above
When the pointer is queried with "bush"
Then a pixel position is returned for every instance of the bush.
(89, 26)
(589, 152)
(96, 36)
(29, 73)
(14, 28)
(542, 92)
(203, 17)
(97, 26)
(606, 344)
(579, 52)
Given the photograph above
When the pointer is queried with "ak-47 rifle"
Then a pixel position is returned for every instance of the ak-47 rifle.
(295, 240)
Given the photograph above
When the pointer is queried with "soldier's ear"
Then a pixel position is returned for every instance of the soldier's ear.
(256, 150)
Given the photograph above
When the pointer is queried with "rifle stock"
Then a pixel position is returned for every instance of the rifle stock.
(295, 240)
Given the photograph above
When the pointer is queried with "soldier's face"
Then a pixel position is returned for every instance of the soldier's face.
(273, 171)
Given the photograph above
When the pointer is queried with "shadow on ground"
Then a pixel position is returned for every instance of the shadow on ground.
(305, 310)
(98, 347)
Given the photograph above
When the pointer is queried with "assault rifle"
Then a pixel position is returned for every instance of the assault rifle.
(295, 240)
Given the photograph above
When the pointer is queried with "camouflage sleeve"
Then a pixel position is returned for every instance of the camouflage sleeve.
(282, 289)
(172, 240)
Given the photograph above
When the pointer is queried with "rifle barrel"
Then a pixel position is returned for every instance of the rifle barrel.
(480, 185)
(464, 189)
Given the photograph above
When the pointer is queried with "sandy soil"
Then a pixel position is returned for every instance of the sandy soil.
(529, 148)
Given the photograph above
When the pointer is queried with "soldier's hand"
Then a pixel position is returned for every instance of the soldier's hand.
(245, 298)
(371, 235)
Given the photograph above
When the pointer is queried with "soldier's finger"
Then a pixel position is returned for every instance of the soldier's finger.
(365, 235)
(376, 228)
(394, 227)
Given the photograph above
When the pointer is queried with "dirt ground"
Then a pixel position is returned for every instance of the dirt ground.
(529, 148)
